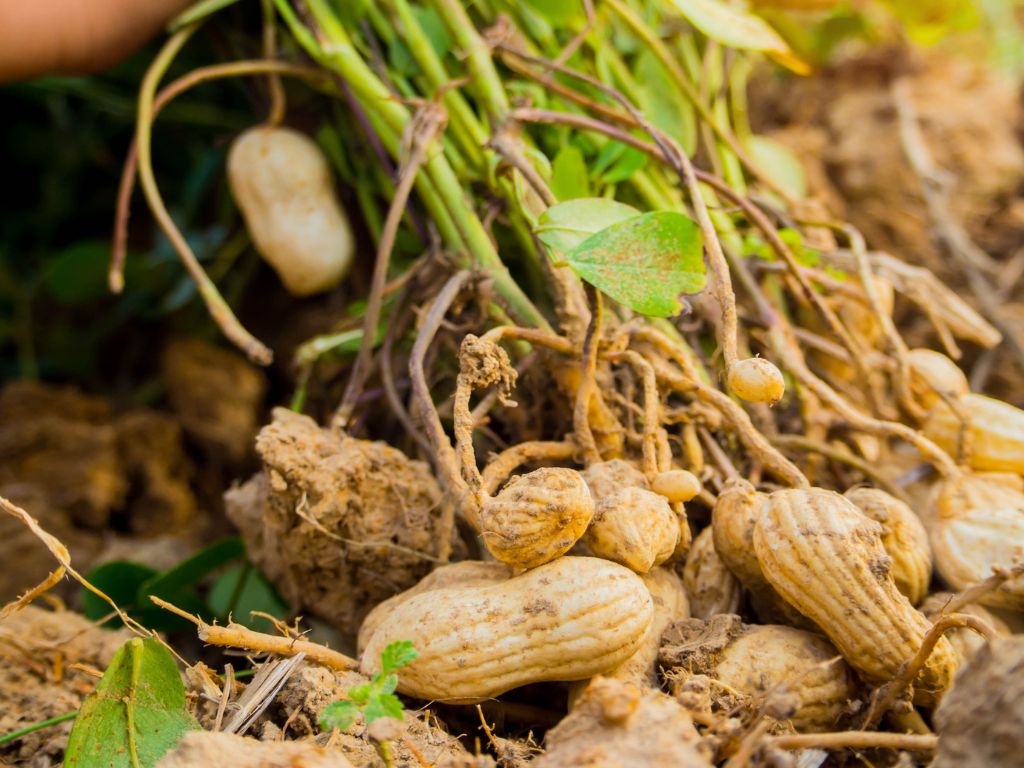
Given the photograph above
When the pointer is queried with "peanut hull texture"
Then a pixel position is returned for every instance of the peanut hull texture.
(570, 619)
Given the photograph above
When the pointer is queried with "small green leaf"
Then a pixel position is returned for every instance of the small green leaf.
(383, 705)
(188, 572)
(360, 694)
(388, 683)
(558, 12)
(241, 590)
(196, 12)
(779, 162)
(736, 28)
(338, 714)
(120, 580)
(645, 262)
(564, 226)
(569, 174)
(78, 274)
(629, 162)
(674, 116)
(136, 714)
(396, 655)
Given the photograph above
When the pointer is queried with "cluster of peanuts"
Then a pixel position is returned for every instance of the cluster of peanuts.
(596, 572)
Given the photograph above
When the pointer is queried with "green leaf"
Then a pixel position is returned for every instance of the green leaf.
(386, 683)
(737, 29)
(338, 714)
(383, 705)
(136, 714)
(558, 12)
(241, 590)
(198, 11)
(78, 274)
(190, 571)
(569, 174)
(645, 262)
(120, 580)
(779, 163)
(360, 694)
(396, 655)
(674, 116)
(629, 162)
(564, 226)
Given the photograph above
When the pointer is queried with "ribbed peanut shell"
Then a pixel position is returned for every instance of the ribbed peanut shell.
(977, 524)
(732, 525)
(634, 527)
(569, 619)
(995, 438)
(765, 656)
(826, 558)
(904, 539)
(467, 573)
(711, 587)
(934, 376)
(603, 478)
(536, 517)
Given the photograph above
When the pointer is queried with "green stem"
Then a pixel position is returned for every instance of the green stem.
(15, 735)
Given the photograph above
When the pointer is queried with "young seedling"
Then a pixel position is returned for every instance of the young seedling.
(373, 700)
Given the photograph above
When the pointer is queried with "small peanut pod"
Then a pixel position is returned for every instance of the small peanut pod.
(992, 433)
(754, 660)
(732, 524)
(934, 377)
(966, 642)
(904, 539)
(536, 517)
(634, 527)
(282, 184)
(975, 525)
(826, 559)
(711, 587)
(676, 485)
(569, 619)
(756, 380)
(467, 573)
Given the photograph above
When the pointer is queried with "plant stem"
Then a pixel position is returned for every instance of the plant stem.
(15, 735)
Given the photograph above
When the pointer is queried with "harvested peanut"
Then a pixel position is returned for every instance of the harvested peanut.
(976, 524)
(826, 558)
(676, 485)
(569, 619)
(536, 517)
(467, 573)
(934, 377)
(619, 724)
(634, 527)
(904, 539)
(753, 660)
(966, 642)
(605, 477)
(756, 380)
(732, 523)
(711, 587)
(990, 436)
(284, 189)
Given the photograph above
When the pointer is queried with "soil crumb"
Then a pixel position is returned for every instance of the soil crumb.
(201, 749)
(338, 524)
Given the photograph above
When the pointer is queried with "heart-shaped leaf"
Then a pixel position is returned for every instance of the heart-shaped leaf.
(645, 262)
(564, 226)
(136, 714)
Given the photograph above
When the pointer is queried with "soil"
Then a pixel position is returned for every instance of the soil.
(338, 524)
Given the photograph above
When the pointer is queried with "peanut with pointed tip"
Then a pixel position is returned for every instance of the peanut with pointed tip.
(536, 517)
(976, 524)
(283, 186)
(826, 559)
(710, 586)
(933, 377)
(904, 539)
(634, 527)
(756, 380)
(676, 485)
(566, 620)
(994, 431)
